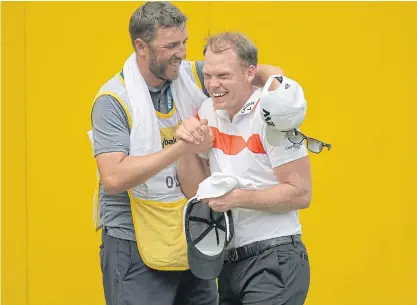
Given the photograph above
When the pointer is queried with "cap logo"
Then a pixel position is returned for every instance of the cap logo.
(267, 117)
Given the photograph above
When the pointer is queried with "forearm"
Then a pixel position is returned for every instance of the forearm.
(135, 170)
(191, 171)
(277, 199)
(263, 72)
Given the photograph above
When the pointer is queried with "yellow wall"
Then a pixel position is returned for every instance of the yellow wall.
(13, 163)
(358, 66)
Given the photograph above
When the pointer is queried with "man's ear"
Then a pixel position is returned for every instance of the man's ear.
(251, 73)
(140, 47)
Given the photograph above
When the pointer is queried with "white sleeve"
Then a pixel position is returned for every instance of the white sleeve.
(283, 153)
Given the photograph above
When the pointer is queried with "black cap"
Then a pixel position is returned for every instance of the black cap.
(207, 233)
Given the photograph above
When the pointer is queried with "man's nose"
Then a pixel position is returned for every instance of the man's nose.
(214, 83)
(182, 51)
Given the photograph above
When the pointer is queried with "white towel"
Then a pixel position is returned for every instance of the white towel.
(142, 107)
(219, 184)
(186, 94)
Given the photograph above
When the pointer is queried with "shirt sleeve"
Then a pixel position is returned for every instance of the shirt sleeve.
(111, 131)
(285, 152)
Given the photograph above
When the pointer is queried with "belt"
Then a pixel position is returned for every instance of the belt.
(235, 254)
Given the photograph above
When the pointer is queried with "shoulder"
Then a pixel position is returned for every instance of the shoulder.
(115, 87)
(106, 102)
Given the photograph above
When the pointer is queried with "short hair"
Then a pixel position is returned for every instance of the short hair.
(242, 45)
(148, 17)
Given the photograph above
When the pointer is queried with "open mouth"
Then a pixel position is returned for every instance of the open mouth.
(220, 94)
(175, 63)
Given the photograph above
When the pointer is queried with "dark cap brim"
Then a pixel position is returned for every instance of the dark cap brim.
(203, 266)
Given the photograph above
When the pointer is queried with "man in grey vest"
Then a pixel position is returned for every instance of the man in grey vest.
(159, 36)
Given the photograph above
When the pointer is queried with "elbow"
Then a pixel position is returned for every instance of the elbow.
(188, 191)
(189, 194)
(270, 69)
(304, 203)
(111, 185)
(278, 71)
(304, 200)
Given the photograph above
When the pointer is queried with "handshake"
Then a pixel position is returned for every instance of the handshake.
(195, 135)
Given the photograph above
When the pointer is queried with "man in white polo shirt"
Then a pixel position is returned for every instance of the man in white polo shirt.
(266, 262)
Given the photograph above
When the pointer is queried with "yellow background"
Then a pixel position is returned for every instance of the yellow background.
(357, 64)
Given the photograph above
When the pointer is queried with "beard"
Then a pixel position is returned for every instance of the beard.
(159, 68)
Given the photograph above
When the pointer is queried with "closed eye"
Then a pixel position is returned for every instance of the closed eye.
(173, 45)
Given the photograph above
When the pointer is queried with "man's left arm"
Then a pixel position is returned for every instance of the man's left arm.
(292, 193)
(291, 167)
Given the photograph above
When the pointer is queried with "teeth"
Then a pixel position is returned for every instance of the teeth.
(219, 94)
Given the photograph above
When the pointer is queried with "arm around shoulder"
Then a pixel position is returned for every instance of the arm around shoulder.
(263, 72)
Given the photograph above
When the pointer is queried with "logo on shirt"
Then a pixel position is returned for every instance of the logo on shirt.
(295, 146)
(168, 135)
(170, 103)
(166, 142)
(287, 86)
(247, 107)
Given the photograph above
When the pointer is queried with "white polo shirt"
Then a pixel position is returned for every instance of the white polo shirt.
(240, 149)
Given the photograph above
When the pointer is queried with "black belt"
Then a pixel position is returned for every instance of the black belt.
(235, 254)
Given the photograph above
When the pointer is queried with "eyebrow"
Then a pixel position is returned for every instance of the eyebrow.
(178, 41)
(217, 73)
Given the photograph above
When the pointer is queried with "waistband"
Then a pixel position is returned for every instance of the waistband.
(255, 248)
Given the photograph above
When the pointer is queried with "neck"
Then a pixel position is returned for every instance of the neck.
(233, 111)
(147, 75)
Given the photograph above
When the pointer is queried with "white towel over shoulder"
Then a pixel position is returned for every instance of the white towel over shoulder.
(186, 94)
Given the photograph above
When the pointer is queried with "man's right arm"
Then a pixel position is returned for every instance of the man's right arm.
(192, 169)
(119, 171)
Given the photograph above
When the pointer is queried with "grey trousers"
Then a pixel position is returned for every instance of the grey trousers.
(128, 281)
(278, 276)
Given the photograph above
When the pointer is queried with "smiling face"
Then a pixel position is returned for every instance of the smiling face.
(227, 79)
(165, 53)
(159, 35)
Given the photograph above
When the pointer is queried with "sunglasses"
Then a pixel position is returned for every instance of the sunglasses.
(313, 145)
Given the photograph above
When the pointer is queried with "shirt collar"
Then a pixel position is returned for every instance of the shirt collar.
(248, 107)
(251, 103)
